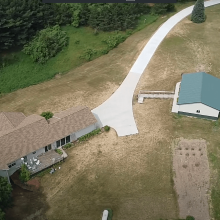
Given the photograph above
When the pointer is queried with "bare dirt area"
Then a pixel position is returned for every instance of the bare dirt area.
(191, 178)
(27, 205)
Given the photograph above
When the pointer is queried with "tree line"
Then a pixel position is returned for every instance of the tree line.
(22, 19)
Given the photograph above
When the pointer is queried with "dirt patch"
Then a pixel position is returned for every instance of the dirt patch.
(191, 167)
(27, 205)
(34, 182)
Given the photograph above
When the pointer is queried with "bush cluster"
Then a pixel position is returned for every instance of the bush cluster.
(46, 44)
(106, 128)
(47, 115)
(59, 151)
(67, 146)
(114, 40)
(87, 136)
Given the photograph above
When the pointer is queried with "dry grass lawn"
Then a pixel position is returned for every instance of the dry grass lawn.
(132, 175)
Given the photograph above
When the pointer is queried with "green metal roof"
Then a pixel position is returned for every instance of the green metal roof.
(200, 88)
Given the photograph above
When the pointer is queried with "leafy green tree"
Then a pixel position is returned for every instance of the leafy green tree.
(2, 215)
(47, 115)
(5, 193)
(198, 13)
(162, 8)
(115, 16)
(24, 173)
(46, 44)
(190, 218)
(21, 19)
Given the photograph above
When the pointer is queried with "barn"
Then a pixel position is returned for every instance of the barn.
(198, 95)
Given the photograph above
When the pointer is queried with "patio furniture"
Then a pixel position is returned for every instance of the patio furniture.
(38, 162)
(26, 163)
(22, 160)
(52, 171)
(31, 162)
(35, 160)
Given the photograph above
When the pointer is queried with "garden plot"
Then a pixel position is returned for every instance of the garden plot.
(191, 178)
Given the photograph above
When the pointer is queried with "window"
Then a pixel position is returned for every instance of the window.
(67, 139)
(49, 147)
(12, 164)
(62, 141)
(197, 111)
(58, 143)
(34, 152)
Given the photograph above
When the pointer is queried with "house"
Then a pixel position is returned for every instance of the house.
(31, 136)
(198, 95)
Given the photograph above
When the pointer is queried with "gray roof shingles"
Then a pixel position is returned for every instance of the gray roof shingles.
(34, 132)
(200, 88)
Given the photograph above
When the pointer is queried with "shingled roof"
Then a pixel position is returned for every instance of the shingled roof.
(35, 132)
(200, 88)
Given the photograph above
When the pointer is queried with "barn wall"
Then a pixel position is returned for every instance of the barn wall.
(204, 110)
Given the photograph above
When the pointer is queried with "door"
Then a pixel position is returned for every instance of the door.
(46, 149)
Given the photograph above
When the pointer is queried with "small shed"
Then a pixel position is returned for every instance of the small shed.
(199, 95)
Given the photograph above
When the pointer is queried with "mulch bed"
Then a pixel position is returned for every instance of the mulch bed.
(34, 182)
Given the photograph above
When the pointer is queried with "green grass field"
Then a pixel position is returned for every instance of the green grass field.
(23, 72)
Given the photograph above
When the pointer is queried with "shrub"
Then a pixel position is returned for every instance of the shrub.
(110, 214)
(47, 115)
(104, 51)
(106, 128)
(68, 146)
(46, 44)
(2, 215)
(198, 13)
(114, 40)
(59, 151)
(77, 41)
(87, 136)
(24, 173)
(162, 8)
(88, 54)
(190, 217)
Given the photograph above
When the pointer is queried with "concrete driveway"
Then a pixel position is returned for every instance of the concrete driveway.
(117, 111)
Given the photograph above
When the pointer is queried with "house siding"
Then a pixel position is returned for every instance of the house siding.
(85, 130)
(73, 137)
(204, 110)
(3, 173)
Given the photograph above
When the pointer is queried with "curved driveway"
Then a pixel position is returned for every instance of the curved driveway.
(117, 111)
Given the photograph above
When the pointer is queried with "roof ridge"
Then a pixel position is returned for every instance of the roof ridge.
(202, 85)
(82, 107)
(8, 120)
(16, 128)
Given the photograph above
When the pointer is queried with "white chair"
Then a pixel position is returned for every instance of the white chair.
(35, 160)
(38, 162)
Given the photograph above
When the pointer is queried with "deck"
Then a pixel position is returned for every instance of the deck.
(47, 159)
